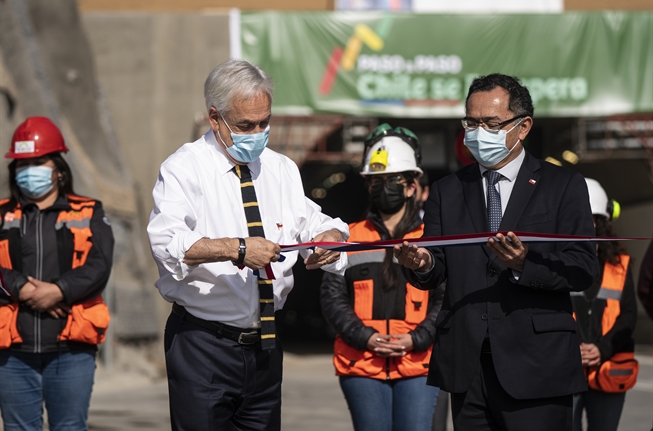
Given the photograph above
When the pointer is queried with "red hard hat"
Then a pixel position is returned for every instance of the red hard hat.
(36, 137)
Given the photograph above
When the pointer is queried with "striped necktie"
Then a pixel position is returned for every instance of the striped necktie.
(255, 228)
(494, 214)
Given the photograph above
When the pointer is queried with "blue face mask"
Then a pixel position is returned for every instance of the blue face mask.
(488, 146)
(34, 181)
(246, 148)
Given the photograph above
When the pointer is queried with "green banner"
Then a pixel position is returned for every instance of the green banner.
(420, 65)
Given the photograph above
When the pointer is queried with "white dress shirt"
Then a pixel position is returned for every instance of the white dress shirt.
(505, 185)
(197, 195)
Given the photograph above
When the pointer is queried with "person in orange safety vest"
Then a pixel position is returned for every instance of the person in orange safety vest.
(606, 314)
(385, 327)
(55, 259)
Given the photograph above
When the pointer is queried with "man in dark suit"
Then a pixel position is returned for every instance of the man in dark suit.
(506, 345)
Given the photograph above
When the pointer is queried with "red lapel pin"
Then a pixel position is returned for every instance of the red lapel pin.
(532, 181)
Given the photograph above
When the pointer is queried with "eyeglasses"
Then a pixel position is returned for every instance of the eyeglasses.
(383, 130)
(473, 123)
(376, 182)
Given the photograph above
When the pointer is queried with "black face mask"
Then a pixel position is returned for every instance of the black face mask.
(388, 199)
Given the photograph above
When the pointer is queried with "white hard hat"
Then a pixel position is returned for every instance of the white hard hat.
(390, 155)
(598, 198)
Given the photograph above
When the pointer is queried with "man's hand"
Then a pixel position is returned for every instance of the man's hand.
(510, 250)
(321, 256)
(388, 346)
(412, 257)
(44, 296)
(26, 292)
(590, 354)
(260, 252)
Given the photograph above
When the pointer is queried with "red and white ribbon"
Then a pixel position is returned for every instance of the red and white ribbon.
(449, 241)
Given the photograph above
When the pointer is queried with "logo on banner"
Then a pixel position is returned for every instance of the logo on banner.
(421, 81)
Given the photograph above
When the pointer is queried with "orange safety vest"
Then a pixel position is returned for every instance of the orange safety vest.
(349, 361)
(619, 373)
(87, 321)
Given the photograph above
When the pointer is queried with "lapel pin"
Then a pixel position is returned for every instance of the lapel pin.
(532, 181)
(279, 225)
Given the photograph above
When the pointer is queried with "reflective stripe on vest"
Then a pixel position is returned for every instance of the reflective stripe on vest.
(12, 219)
(354, 259)
(352, 362)
(612, 284)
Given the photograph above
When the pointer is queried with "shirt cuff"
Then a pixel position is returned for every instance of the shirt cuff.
(516, 274)
(339, 266)
(421, 276)
(177, 249)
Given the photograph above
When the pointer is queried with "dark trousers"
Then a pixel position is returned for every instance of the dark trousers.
(487, 406)
(217, 384)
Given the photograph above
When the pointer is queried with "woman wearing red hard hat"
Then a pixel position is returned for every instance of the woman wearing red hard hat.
(55, 258)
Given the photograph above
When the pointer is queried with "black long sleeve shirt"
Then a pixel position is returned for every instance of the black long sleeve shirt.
(589, 314)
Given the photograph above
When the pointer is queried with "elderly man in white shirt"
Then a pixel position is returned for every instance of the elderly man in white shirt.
(214, 249)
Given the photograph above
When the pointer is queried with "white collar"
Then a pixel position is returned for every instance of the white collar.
(510, 170)
(225, 164)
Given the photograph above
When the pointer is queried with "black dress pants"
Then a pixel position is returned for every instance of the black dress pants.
(487, 406)
(217, 384)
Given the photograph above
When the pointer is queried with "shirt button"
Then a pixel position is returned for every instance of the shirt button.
(484, 316)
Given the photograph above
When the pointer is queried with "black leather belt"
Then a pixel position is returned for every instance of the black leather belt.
(241, 336)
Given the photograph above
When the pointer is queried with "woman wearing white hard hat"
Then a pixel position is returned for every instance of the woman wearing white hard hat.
(55, 258)
(606, 314)
(385, 327)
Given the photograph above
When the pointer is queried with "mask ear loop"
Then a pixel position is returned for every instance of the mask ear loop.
(510, 150)
(219, 135)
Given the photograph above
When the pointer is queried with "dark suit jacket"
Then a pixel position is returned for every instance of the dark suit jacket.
(530, 325)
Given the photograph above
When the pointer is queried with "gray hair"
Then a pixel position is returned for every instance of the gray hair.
(235, 79)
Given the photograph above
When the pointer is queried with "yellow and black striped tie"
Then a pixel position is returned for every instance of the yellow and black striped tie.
(255, 228)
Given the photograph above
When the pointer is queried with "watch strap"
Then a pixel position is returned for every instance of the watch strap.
(242, 249)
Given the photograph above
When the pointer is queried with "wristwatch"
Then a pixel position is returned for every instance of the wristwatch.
(242, 249)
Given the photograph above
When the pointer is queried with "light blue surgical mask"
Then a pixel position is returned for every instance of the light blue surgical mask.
(488, 146)
(34, 181)
(246, 148)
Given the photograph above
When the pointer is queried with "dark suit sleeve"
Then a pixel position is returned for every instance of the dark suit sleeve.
(432, 227)
(334, 298)
(573, 265)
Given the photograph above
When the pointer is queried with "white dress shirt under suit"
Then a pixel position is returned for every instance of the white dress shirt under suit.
(197, 195)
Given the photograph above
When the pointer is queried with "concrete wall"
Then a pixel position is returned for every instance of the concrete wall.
(152, 67)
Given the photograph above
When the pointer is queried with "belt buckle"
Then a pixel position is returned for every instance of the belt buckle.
(243, 334)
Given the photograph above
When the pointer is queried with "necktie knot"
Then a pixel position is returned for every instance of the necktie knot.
(243, 172)
(493, 177)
